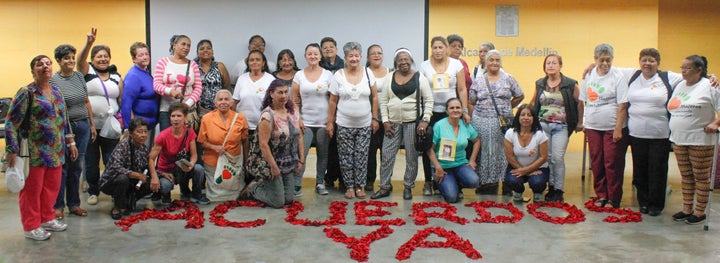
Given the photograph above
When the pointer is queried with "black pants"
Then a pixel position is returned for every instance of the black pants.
(333, 166)
(376, 141)
(650, 170)
(425, 160)
(122, 189)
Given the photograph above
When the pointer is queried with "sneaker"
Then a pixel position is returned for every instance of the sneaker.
(166, 200)
(298, 191)
(54, 225)
(38, 234)
(202, 200)
(537, 197)
(320, 189)
(694, 220)
(427, 189)
(681, 216)
(517, 197)
(92, 200)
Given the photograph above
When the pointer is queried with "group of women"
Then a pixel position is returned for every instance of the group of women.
(348, 111)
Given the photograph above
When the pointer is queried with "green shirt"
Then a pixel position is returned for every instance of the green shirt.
(443, 130)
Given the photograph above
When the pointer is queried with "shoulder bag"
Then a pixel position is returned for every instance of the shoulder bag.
(228, 170)
(504, 125)
(422, 142)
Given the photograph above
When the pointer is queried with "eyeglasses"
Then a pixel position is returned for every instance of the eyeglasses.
(258, 44)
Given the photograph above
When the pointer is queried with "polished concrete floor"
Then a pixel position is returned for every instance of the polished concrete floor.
(96, 239)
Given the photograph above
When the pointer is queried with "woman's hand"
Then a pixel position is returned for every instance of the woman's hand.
(154, 184)
(375, 126)
(73, 152)
(10, 159)
(439, 174)
(466, 118)
(389, 129)
(91, 37)
(711, 128)
(519, 171)
(617, 135)
(93, 132)
(473, 165)
(536, 172)
(298, 168)
(330, 129)
(580, 127)
(176, 94)
(274, 172)
(422, 128)
(140, 177)
(168, 176)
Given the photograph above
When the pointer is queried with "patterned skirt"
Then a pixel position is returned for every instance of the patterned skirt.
(491, 160)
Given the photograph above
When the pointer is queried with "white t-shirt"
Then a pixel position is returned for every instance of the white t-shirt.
(314, 97)
(443, 84)
(377, 81)
(240, 68)
(601, 95)
(647, 112)
(96, 95)
(692, 108)
(250, 96)
(353, 106)
(530, 153)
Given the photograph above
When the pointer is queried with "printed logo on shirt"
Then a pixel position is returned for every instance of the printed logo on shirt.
(532, 152)
(592, 95)
(677, 100)
(319, 88)
(653, 87)
(259, 90)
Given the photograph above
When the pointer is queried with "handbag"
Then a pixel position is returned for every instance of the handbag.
(183, 156)
(228, 167)
(15, 176)
(257, 166)
(193, 119)
(504, 125)
(112, 128)
(422, 142)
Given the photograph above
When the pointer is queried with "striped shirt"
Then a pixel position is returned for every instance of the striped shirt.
(171, 76)
(74, 92)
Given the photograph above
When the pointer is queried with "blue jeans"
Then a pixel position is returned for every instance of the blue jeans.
(557, 134)
(70, 185)
(197, 176)
(455, 179)
(537, 182)
(101, 147)
(322, 141)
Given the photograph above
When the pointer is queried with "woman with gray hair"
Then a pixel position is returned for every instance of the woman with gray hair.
(480, 68)
(605, 126)
(399, 110)
(353, 106)
(492, 97)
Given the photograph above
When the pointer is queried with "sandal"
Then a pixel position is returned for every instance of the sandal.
(350, 193)
(78, 211)
(115, 214)
(59, 214)
(360, 193)
(600, 202)
(246, 193)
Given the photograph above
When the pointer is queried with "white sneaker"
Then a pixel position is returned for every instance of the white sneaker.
(54, 225)
(320, 189)
(92, 200)
(38, 234)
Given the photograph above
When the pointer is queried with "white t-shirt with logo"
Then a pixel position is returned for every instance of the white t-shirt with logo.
(647, 112)
(601, 95)
(314, 97)
(691, 109)
(442, 84)
(250, 96)
(530, 153)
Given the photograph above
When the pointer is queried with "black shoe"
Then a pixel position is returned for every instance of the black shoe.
(115, 214)
(644, 209)
(654, 212)
(369, 187)
(694, 220)
(550, 196)
(407, 193)
(166, 198)
(380, 194)
(681, 216)
(558, 196)
(155, 197)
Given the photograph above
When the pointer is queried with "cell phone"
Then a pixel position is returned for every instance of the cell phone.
(183, 163)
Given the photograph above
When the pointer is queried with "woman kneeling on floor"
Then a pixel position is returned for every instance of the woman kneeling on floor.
(128, 183)
(526, 149)
(450, 138)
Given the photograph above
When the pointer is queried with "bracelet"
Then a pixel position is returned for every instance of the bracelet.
(465, 110)
(69, 136)
(72, 144)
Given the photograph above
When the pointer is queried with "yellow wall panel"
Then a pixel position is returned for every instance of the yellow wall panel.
(30, 28)
(687, 28)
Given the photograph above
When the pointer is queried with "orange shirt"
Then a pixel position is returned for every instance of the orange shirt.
(213, 130)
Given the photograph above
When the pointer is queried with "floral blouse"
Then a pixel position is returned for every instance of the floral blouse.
(211, 83)
(125, 160)
(504, 89)
(46, 136)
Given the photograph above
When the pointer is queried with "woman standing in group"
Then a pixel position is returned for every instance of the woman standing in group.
(605, 126)
(480, 68)
(139, 100)
(376, 72)
(310, 95)
(214, 76)
(48, 136)
(166, 169)
(446, 76)
(646, 105)
(526, 149)
(280, 146)
(126, 169)
(693, 130)
(493, 95)
(353, 106)
(74, 91)
(399, 111)
(453, 170)
(561, 113)
(287, 67)
(177, 79)
(104, 88)
(220, 135)
(457, 44)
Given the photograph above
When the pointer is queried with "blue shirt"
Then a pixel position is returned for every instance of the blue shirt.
(138, 97)
(443, 130)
